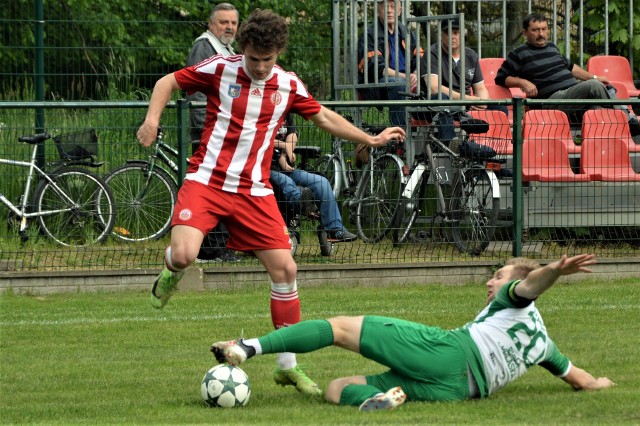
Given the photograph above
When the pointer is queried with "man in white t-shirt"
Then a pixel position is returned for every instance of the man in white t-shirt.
(431, 364)
(248, 97)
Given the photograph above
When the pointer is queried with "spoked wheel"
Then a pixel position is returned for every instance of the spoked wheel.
(407, 213)
(473, 212)
(376, 199)
(144, 199)
(78, 210)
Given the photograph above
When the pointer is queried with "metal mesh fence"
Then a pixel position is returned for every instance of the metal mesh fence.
(569, 205)
(106, 53)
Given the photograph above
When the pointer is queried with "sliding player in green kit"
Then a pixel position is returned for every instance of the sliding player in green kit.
(431, 364)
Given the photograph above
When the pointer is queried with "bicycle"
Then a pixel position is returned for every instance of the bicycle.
(72, 205)
(373, 197)
(470, 210)
(145, 194)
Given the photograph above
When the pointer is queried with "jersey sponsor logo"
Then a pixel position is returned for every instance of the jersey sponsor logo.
(185, 215)
(276, 98)
(256, 92)
(234, 90)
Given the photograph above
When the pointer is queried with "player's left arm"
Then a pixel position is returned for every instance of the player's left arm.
(337, 125)
(538, 281)
(579, 379)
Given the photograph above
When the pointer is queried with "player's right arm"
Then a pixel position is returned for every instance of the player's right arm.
(581, 380)
(161, 94)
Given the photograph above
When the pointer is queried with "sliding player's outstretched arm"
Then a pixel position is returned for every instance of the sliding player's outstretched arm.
(582, 380)
(538, 281)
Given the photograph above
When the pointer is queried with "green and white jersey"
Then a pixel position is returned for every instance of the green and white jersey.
(511, 337)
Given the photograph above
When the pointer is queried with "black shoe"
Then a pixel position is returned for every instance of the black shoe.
(227, 256)
(634, 126)
(341, 236)
(476, 151)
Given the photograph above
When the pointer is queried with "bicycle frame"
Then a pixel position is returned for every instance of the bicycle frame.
(33, 169)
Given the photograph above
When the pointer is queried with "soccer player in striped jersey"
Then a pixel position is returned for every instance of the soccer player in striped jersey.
(248, 97)
(431, 364)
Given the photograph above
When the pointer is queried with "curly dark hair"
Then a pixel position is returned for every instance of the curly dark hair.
(265, 31)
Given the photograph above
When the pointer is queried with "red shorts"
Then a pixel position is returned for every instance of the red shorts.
(254, 223)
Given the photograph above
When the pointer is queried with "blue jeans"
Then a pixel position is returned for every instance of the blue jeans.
(287, 184)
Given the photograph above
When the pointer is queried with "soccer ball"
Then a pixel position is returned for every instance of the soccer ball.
(225, 386)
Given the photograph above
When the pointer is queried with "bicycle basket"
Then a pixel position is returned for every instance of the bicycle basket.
(78, 145)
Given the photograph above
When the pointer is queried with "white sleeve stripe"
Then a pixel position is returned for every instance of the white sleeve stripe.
(566, 372)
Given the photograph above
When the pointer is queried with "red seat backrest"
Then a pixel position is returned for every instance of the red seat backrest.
(499, 136)
(608, 123)
(549, 124)
(615, 68)
(489, 68)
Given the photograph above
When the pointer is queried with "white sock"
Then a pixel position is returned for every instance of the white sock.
(167, 261)
(254, 343)
(286, 360)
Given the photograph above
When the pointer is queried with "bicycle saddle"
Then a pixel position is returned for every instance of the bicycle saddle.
(473, 125)
(308, 151)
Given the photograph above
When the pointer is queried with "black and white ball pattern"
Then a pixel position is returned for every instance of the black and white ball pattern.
(225, 386)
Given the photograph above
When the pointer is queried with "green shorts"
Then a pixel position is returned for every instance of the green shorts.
(427, 362)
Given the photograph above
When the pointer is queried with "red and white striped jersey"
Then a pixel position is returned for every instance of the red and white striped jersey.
(242, 118)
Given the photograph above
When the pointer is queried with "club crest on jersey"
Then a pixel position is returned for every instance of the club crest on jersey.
(185, 215)
(276, 98)
(234, 90)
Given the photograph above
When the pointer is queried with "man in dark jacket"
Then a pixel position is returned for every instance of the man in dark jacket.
(373, 59)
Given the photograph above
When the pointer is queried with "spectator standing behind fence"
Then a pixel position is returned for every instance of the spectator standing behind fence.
(217, 40)
(227, 180)
(538, 68)
(375, 53)
(286, 178)
(428, 363)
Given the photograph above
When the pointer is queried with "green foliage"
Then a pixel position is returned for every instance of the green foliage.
(618, 27)
(109, 358)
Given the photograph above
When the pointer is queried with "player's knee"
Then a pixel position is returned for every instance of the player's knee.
(334, 390)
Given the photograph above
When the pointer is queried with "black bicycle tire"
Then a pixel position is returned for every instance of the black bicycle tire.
(326, 247)
(404, 221)
(147, 218)
(88, 190)
(375, 212)
(482, 221)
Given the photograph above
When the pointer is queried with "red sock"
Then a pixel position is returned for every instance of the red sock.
(285, 305)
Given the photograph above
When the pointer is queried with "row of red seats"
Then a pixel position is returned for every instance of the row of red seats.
(548, 142)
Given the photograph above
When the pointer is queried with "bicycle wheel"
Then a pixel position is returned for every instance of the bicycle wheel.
(144, 201)
(474, 212)
(329, 167)
(377, 197)
(407, 213)
(78, 210)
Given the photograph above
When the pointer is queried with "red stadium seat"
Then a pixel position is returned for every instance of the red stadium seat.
(490, 67)
(607, 160)
(499, 136)
(547, 160)
(608, 123)
(549, 124)
(615, 68)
